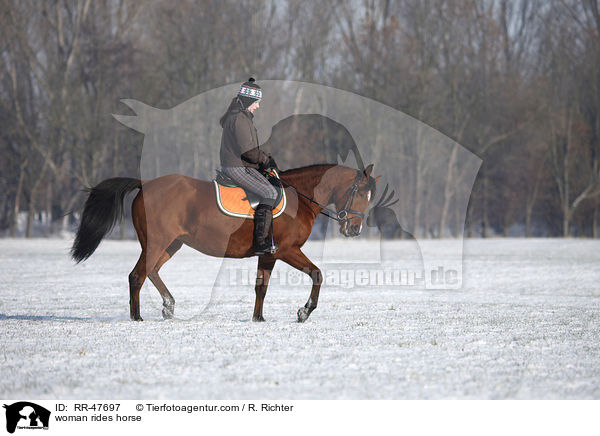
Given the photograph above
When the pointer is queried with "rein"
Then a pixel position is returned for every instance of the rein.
(342, 215)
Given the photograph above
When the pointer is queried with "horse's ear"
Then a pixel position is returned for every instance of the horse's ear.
(377, 179)
(368, 170)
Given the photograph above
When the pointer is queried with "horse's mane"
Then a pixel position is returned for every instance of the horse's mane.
(306, 170)
(307, 167)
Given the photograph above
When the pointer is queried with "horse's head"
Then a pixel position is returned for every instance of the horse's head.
(352, 204)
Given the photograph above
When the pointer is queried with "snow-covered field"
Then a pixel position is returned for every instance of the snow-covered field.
(526, 324)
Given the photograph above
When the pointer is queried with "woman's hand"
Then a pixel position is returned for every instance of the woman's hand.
(271, 163)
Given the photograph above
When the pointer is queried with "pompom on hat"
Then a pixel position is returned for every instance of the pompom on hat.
(250, 92)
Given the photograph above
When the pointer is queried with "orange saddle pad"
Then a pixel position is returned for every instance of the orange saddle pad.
(232, 201)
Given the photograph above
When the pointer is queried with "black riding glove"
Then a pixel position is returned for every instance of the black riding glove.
(271, 163)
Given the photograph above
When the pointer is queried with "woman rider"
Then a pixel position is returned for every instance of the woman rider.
(242, 159)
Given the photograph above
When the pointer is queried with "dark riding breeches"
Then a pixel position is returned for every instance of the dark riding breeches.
(251, 179)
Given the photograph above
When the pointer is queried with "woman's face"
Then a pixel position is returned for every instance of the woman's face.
(254, 106)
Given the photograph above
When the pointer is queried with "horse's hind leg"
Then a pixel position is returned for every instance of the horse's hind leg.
(149, 256)
(137, 277)
(168, 300)
(136, 280)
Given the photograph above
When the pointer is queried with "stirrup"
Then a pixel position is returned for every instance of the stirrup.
(268, 248)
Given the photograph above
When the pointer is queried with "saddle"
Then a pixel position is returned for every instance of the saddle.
(233, 200)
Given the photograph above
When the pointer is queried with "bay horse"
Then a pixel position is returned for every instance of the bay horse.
(176, 210)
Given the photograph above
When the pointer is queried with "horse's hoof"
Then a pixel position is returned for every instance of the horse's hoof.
(303, 314)
(258, 319)
(137, 318)
(168, 313)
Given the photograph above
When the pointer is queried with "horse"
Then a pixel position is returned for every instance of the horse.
(173, 210)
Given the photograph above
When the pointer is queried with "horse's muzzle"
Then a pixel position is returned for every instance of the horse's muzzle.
(352, 230)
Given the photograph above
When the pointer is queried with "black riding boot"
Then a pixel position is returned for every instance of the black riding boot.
(263, 219)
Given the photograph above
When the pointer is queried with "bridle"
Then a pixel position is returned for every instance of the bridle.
(342, 215)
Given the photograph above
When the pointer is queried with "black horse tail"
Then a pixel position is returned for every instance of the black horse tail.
(102, 208)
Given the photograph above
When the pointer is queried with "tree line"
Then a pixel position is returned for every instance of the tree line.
(515, 82)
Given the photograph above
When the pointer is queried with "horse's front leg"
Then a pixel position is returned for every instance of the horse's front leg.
(265, 266)
(298, 260)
